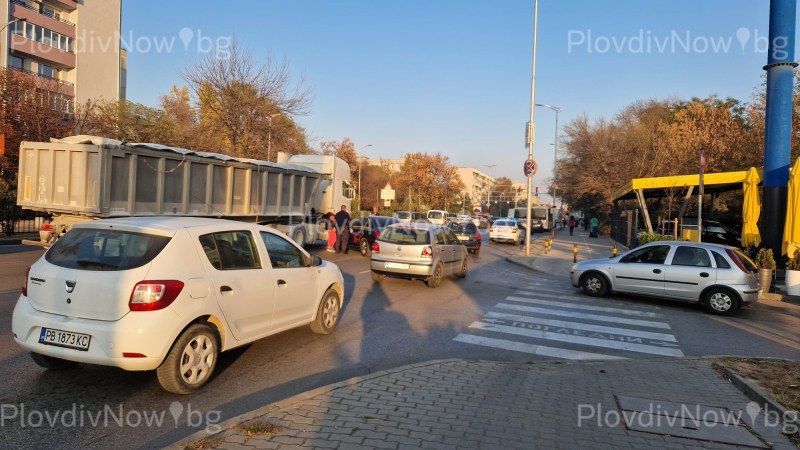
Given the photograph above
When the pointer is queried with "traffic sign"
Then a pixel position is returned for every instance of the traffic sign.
(530, 167)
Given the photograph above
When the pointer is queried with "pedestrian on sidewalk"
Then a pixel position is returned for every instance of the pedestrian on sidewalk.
(571, 224)
(594, 223)
(342, 223)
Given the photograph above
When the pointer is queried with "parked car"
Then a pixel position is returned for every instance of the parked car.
(719, 233)
(418, 251)
(169, 294)
(506, 230)
(437, 216)
(468, 234)
(366, 229)
(720, 277)
(409, 216)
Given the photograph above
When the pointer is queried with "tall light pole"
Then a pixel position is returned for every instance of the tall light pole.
(269, 135)
(555, 148)
(488, 201)
(531, 126)
(12, 21)
(359, 176)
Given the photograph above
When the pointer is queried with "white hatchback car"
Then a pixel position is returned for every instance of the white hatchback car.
(169, 294)
(506, 230)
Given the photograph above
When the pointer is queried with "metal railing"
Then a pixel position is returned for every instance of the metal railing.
(14, 220)
(28, 5)
(30, 72)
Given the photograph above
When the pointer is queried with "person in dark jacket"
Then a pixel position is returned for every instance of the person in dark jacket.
(342, 222)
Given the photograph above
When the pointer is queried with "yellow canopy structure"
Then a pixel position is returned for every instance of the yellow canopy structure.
(656, 187)
(751, 209)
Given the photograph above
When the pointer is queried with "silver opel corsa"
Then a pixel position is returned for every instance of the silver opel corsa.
(719, 276)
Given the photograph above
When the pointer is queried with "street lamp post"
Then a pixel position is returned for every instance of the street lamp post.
(12, 21)
(531, 123)
(359, 176)
(269, 135)
(555, 147)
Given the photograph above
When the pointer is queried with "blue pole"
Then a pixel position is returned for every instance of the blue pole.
(778, 130)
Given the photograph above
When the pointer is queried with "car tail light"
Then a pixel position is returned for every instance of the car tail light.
(133, 355)
(427, 251)
(377, 234)
(375, 247)
(491, 229)
(25, 284)
(478, 237)
(46, 227)
(154, 294)
(513, 230)
(736, 260)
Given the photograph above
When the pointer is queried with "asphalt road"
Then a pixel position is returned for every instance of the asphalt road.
(499, 312)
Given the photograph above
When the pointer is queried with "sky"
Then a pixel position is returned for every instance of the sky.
(454, 77)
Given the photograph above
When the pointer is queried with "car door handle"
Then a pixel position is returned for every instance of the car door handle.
(656, 270)
(225, 289)
(281, 283)
(704, 274)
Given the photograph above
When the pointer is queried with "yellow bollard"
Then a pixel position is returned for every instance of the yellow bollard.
(574, 252)
(614, 251)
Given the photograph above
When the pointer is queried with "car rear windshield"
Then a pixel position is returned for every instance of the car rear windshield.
(406, 235)
(746, 261)
(435, 215)
(103, 250)
(402, 215)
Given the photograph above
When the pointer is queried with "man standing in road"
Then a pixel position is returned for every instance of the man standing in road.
(342, 222)
(593, 224)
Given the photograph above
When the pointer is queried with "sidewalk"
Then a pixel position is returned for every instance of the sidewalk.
(450, 404)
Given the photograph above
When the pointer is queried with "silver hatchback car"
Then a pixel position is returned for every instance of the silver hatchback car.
(420, 251)
(718, 276)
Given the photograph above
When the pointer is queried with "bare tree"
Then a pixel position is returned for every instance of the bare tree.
(239, 98)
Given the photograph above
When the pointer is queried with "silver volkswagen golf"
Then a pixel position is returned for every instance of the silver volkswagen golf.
(718, 276)
(421, 251)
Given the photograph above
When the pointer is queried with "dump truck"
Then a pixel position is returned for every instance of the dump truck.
(83, 178)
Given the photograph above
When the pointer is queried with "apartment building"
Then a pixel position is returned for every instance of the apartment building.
(73, 44)
(478, 185)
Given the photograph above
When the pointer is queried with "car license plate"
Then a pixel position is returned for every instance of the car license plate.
(463, 238)
(391, 265)
(60, 338)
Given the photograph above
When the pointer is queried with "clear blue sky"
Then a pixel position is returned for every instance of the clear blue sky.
(454, 76)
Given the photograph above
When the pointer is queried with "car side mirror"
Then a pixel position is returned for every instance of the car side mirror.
(316, 261)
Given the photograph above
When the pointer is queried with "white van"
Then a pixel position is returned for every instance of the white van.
(437, 216)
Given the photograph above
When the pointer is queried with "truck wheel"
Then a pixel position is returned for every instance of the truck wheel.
(299, 236)
(327, 313)
(50, 363)
(190, 362)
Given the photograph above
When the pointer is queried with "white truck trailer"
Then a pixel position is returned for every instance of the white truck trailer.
(83, 178)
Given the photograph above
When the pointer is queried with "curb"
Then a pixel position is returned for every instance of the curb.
(755, 394)
(233, 422)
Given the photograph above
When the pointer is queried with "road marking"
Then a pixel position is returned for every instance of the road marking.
(582, 326)
(581, 340)
(532, 349)
(13, 291)
(627, 312)
(577, 315)
(364, 271)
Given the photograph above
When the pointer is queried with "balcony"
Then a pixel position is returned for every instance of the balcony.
(42, 51)
(21, 10)
(53, 84)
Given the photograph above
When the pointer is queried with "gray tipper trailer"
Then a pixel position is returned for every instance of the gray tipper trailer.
(82, 178)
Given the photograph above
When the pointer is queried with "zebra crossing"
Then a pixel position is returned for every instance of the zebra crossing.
(549, 318)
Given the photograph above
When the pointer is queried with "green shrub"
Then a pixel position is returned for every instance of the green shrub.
(764, 259)
(644, 238)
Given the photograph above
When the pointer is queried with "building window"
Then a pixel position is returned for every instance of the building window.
(43, 35)
(16, 62)
(47, 71)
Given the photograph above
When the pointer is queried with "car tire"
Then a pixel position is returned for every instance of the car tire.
(190, 362)
(363, 247)
(51, 363)
(327, 313)
(377, 277)
(721, 302)
(435, 280)
(463, 272)
(594, 284)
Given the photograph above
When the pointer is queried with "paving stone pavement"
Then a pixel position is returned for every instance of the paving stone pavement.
(453, 404)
